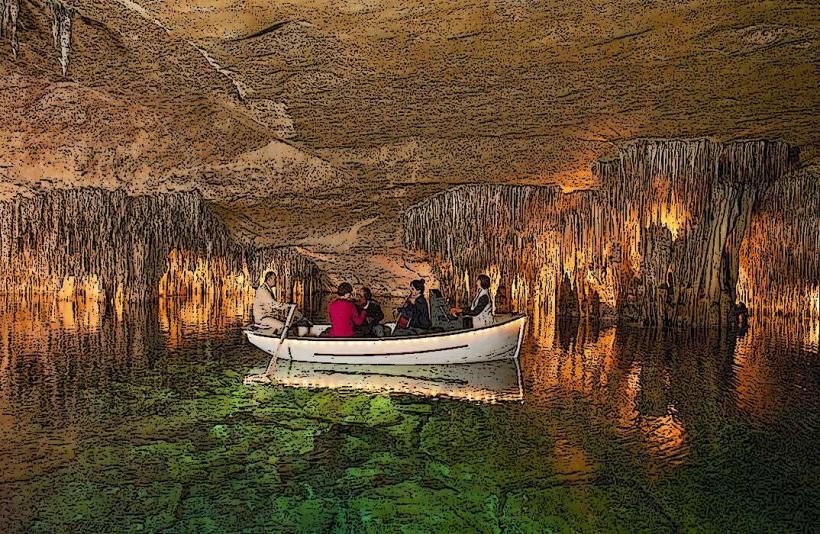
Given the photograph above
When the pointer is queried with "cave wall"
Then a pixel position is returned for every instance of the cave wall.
(780, 256)
(535, 243)
(112, 246)
(660, 242)
(701, 195)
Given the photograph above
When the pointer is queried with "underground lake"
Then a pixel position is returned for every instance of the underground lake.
(138, 420)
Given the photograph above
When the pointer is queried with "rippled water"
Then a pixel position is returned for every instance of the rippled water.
(138, 420)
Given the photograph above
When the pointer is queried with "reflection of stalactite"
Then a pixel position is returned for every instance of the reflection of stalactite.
(61, 22)
(9, 13)
(660, 242)
(130, 248)
(62, 352)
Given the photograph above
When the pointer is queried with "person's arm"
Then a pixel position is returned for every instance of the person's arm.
(358, 315)
(482, 303)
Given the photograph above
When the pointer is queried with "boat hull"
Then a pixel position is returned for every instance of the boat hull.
(497, 342)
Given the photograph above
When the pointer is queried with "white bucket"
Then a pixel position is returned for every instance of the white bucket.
(302, 331)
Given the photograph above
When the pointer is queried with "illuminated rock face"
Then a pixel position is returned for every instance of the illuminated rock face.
(780, 257)
(108, 245)
(659, 243)
(700, 192)
(524, 237)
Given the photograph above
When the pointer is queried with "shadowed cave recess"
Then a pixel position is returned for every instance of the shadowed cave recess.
(678, 233)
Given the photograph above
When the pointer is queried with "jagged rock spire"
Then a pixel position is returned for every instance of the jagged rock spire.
(61, 31)
(9, 13)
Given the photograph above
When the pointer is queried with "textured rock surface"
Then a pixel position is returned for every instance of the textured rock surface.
(392, 94)
(662, 241)
(101, 244)
(301, 121)
(780, 258)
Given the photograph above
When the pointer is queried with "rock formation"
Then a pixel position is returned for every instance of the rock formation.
(659, 243)
(116, 247)
(703, 193)
(525, 237)
(61, 31)
(9, 14)
(780, 257)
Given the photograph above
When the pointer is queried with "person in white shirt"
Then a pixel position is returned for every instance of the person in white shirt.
(267, 311)
(481, 309)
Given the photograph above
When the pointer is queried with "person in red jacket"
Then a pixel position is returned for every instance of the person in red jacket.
(344, 314)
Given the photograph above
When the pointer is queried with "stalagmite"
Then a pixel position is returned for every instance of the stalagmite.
(116, 247)
(61, 31)
(9, 13)
(659, 243)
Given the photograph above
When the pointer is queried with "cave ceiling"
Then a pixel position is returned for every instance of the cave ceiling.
(303, 120)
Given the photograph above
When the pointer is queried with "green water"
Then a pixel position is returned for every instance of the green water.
(139, 422)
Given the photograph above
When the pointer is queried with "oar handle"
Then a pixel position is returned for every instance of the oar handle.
(282, 337)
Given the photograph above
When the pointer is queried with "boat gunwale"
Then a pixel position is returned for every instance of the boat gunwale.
(515, 317)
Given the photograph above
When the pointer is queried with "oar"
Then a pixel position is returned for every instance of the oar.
(272, 364)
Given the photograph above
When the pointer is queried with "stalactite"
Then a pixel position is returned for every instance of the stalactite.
(117, 247)
(9, 13)
(61, 23)
(703, 192)
(659, 243)
(525, 237)
(780, 257)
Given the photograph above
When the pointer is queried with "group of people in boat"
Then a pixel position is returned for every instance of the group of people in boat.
(360, 315)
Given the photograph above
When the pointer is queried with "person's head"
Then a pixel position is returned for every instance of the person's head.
(366, 293)
(345, 290)
(484, 281)
(270, 278)
(417, 286)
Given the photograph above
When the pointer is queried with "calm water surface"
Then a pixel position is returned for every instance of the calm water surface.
(138, 420)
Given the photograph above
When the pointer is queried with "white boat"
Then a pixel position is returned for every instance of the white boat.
(499, 341)
(489, 382)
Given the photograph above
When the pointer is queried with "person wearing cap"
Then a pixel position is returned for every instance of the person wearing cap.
(344, 315)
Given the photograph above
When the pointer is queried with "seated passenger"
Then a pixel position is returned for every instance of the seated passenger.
(414, 316)
(481, 310)
(267, 311)
(373, 315)
(343, 313)
(502, 300)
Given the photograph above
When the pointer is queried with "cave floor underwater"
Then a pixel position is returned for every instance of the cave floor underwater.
(139, 420)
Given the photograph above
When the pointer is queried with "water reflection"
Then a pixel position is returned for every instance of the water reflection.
(488, 382)
(54, 353)
(662, 387)
(84, 390)
(651, 381)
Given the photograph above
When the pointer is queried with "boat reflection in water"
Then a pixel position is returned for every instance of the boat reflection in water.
(490, 382)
